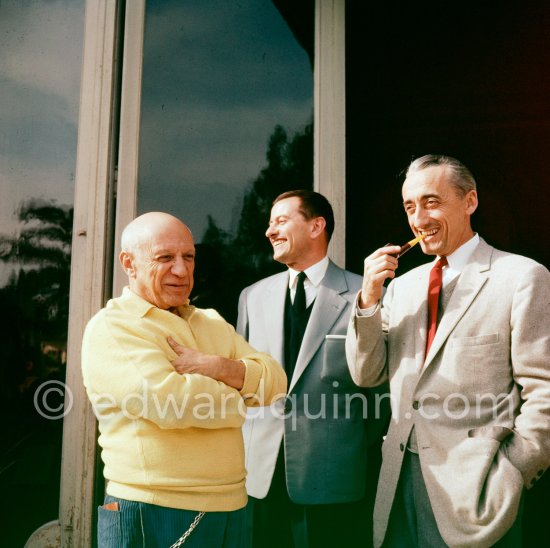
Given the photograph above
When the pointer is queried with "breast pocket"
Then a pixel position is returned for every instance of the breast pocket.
(480, 362)
(477, 340)
(335, 370)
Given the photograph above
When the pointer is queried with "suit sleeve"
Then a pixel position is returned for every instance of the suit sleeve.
(366, 344)
(529, 447)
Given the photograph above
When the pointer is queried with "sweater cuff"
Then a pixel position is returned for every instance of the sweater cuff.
(252, 376)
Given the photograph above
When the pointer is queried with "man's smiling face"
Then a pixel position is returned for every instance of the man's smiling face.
(436, 208)
(163, 265)
(290, 232)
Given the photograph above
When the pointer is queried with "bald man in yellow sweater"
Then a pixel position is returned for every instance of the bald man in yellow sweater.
(170, 384)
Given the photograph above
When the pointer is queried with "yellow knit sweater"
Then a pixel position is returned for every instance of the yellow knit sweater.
(169, 439)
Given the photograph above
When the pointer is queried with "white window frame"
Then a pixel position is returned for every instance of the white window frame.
(96, 234)
(329, 97)
(90, 283)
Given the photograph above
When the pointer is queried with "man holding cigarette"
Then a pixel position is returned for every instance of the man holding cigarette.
(465, 344)
(308, 457)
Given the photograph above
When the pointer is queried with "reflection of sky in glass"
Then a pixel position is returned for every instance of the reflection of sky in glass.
(218, 76)
(40, 68)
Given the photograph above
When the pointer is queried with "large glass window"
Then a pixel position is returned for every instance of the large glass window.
(225, 126)
(40, 67)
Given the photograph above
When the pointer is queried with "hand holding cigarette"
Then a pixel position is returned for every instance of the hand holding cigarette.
(409, 244)
(378, 267)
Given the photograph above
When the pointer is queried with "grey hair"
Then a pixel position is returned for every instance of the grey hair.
(461, 178)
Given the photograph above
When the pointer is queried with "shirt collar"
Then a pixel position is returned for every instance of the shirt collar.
(314, 273)
(140, 307)
(459, 258)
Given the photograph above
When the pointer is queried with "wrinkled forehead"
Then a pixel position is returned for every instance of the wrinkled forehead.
(434, 180)
(173, 238)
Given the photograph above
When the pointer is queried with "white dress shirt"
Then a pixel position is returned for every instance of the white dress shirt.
(314, 277)
(458, 259)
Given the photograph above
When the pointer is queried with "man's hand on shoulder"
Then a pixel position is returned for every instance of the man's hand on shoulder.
(191, 361)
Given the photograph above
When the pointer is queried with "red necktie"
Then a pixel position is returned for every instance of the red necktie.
(434, 288)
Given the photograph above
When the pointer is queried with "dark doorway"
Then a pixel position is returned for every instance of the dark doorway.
(470, 79)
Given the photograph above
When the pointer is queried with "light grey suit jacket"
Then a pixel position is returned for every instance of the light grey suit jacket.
(480, 403)
(325, 441)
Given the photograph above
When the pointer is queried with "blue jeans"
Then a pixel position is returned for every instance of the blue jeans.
(138, 524)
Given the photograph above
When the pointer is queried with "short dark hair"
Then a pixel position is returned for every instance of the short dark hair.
(462, 178)
(313, 205)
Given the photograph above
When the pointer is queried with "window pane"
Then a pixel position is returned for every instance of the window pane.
(223, 83)
(41, 42)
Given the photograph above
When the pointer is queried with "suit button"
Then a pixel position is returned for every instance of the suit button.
(540, 473)
(416, 404)
(533, 481)
(402, 447)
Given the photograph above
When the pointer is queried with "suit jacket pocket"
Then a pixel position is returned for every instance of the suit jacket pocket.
(479, 363)
(335, 370)
(493, 432)
(460, 342)
(476, 491)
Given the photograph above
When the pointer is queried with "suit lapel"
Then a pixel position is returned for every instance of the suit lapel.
(419, 294)
(329, 305)
(274, 316)
(469, 284)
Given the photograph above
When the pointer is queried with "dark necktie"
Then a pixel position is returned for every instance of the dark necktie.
(299, 303)
(434, 289)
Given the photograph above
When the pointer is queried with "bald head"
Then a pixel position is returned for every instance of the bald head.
(158, 255)
(140, 231)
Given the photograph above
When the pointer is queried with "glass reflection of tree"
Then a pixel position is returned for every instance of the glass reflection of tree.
(229, 263)
(41, 253)
(36, 297)
(34, 301)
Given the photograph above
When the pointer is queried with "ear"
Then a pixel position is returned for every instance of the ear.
(127, 261)
(318, 226)
(471, 202)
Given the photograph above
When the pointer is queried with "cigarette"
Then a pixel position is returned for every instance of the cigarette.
(409, 244)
